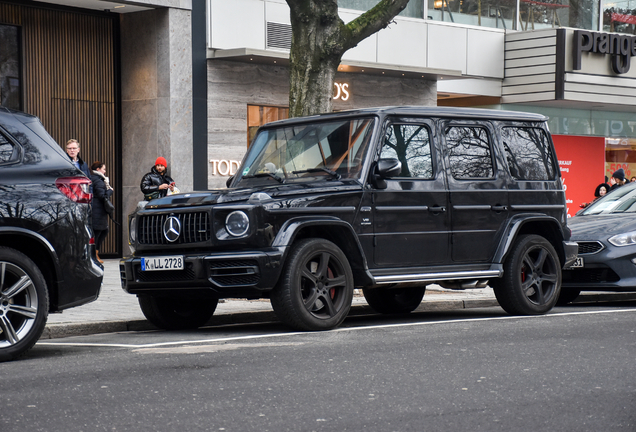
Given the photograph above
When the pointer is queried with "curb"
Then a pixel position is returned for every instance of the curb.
(55, 331)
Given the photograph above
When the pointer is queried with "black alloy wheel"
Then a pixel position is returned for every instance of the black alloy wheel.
(531, 283)
(24, 303)
(316, 287)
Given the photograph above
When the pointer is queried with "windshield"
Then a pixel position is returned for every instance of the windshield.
(621, 200)
(332, 150)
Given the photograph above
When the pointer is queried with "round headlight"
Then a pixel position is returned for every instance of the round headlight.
(237, 223)
(132, 229)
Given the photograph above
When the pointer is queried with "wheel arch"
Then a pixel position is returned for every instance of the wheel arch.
(545, 226)
(40, 251)
(333, 229)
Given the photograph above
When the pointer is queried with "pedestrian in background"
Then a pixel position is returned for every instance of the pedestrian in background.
(157, 182)
(618, 179)
(72, 150)
(102, 192)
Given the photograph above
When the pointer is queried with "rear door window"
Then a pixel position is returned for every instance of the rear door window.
(469, 152)
(9, 152)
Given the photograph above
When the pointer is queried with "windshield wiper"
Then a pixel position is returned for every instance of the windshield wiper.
(282, 180)
(322, 169)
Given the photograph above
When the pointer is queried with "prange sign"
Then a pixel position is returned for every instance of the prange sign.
(620, 47)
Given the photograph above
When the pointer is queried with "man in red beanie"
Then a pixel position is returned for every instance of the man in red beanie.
(156, 183)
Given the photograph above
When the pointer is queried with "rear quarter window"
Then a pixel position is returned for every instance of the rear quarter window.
(528, 153)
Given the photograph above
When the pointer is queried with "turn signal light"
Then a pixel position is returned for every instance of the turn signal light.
(77, 189)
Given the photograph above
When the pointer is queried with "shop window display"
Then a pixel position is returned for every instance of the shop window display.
(258, 115)
(10, 67)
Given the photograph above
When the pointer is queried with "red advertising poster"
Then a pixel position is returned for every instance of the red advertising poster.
(582, 163)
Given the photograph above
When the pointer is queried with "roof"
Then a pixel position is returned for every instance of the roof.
(424, 111)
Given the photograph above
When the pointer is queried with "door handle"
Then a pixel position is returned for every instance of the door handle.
(436, 209)
(498, 208)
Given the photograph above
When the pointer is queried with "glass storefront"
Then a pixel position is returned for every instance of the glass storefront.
(511, 14)
(10, 94)
(619, 16)
(258, 115)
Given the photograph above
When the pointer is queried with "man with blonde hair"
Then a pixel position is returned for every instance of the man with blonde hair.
(72, 150)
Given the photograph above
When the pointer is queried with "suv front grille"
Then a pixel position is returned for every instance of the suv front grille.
(195, 228)
(590, 247)
(234, 273)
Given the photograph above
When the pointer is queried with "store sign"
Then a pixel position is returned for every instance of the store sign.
(342, 91)
(621, 48)
(224, 167)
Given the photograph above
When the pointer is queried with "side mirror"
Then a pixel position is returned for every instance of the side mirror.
(385, 168)
(228, 182)
(389, 167)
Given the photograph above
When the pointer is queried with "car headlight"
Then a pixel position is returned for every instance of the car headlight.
(626, 239)
(132, 229)
(237, 223)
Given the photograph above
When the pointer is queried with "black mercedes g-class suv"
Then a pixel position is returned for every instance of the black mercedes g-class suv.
(387, 200)
(47, 250)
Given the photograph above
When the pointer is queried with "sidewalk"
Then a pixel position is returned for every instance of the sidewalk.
(115, 310)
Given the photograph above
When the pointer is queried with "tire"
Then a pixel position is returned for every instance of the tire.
(394, 301)
(24, 304)
(531, 283)
(316, 287)
(171, 313)
(567, 295)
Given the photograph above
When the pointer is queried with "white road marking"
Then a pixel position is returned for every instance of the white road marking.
(340, 329)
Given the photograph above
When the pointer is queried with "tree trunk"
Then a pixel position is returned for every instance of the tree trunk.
(319, 39)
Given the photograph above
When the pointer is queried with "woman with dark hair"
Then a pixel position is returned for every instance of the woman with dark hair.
(101, 192)
(599, 192)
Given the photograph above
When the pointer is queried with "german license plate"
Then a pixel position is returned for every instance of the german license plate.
(162, 263)
(578, 263)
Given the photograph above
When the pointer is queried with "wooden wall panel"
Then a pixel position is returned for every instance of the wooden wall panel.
(69, 82)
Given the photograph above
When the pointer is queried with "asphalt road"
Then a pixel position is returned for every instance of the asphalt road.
(468, 370)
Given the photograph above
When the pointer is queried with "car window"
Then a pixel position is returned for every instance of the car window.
(620, 200)
(334, 149)
(411, 145)
(469, 152)
(9, 152)
(528, 153)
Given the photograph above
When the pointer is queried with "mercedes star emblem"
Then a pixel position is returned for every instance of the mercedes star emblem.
(171, 229)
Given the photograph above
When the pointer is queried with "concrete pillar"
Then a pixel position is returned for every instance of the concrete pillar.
(156, 74)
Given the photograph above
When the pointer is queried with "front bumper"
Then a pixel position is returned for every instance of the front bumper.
(611, 269)
(227, 275)
(570, 251)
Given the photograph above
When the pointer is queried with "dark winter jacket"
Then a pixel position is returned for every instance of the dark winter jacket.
(100, 193)
(150, 183)
(82, 166)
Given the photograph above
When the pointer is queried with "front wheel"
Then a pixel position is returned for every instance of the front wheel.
(531, 283)
(394, 301)
(172, 313)
(316, 287)
(24, 303)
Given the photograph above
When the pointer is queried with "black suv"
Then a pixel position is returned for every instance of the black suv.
(387, 200)
(46, 245)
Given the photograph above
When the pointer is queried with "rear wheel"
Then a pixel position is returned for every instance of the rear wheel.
(172, 313)
(316, 287)
(567, 295)
(532, 277)
(394, 301)
(24, 303)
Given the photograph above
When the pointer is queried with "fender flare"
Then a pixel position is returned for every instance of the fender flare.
(40, 239)
(514, 226)
(290, 229)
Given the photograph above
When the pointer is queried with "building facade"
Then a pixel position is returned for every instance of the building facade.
(191, 80)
